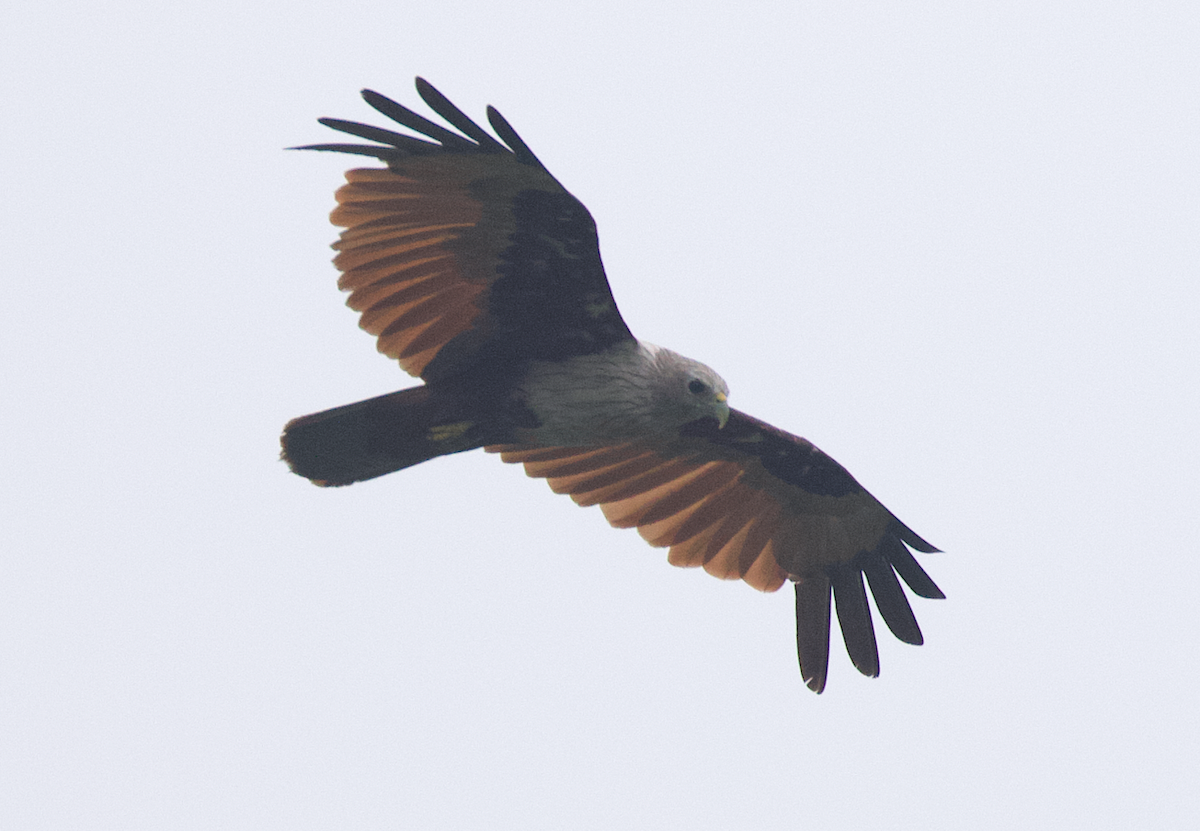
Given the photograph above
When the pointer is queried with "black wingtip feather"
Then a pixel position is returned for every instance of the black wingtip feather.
(441, 105)
(812, 630)
(909, 570)
(366, 131)
(509, 136)
(890, 599)
(381, 153)
(405, 117)
(854, 618)
(435, 137)
(913, 539)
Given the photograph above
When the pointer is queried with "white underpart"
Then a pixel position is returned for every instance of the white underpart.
(633, 390)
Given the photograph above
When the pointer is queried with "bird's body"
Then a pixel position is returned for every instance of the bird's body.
(482, 275)
(631, 391)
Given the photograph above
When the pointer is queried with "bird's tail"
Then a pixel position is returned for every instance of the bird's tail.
(377, 436)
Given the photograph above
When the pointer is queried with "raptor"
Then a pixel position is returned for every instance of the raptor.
(481, 275)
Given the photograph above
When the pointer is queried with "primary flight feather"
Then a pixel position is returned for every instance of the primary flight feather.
(481, 275)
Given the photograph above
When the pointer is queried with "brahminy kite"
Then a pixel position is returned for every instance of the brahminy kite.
(481, 275)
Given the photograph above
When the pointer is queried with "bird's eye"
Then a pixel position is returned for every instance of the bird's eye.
(696, 387)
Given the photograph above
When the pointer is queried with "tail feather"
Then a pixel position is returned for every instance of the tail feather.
(380, 435)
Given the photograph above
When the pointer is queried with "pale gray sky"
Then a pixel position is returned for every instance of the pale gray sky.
(957, 247)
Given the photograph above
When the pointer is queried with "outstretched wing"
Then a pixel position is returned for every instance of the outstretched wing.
(465, 246)
(752, 502)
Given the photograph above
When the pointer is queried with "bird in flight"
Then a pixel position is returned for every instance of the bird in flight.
(478, 272)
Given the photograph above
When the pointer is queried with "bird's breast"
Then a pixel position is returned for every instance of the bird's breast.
(591, 400)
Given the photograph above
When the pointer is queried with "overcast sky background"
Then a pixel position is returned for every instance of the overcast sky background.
(955, 245)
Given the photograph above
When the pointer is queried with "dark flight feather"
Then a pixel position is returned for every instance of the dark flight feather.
(854, 618)
(419, 123)
(812, 630)
(441, 105)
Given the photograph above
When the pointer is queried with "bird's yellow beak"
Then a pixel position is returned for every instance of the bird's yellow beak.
(723, 410)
